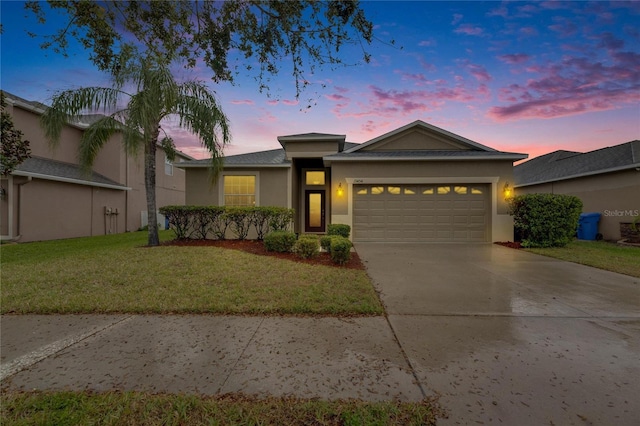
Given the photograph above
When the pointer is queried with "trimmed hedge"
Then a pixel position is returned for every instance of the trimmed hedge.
(340, 249)
(307, 246)
(199, 222)
(545, 220)
(339, 229)
(280, 241)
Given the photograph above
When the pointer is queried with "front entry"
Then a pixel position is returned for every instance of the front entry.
(314, 208)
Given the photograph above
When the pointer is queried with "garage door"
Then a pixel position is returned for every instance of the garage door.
(452, 213)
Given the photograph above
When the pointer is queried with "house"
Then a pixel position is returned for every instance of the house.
(416, 183)
(49, 196)
(607, 181)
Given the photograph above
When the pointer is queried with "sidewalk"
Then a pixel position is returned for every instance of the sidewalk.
(327, 358)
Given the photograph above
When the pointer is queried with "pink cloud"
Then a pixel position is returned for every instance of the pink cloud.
(479, 72)
(500, 11)
(572, 86)
(529, 31)
(243, 102)
(514, 58)
(427, 43)
(469, 29)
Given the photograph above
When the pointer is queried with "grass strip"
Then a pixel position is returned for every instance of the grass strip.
(117, 274)
(599, 254)
(137, 408)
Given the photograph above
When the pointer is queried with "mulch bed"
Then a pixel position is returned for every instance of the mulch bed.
(257, 247)
(510, 244)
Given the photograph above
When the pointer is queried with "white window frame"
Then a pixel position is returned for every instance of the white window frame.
(168, 163)
(239, 173)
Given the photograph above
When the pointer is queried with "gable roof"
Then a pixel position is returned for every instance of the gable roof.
(561, 165)
(47, 169)
(419, 124)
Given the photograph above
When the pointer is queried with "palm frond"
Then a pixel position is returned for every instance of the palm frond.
(68, 106)
(94, 138)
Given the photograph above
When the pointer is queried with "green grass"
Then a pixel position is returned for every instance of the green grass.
(117, 274)
(137, 408)
(600, 254)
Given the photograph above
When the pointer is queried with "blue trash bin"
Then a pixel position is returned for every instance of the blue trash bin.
(588, 226)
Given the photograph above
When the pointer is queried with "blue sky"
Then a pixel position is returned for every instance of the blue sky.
(529, 77)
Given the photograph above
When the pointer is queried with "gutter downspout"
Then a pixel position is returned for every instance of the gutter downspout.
(18, 206)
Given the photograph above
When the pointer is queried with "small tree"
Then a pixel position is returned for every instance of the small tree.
(157, 96)
(15, 149)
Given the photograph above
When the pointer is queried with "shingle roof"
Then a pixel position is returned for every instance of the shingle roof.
(424, 155)
(45, 168)
(274, 157)
(559, 165)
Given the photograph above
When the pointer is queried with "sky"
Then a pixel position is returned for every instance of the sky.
(526, 77)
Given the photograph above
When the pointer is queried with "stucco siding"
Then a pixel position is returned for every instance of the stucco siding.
(272, 186)
(53, 210)
(613, 195)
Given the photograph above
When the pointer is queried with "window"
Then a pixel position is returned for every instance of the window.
(377, 190)
(476, 191)
(444, 190)
(168, 167)
(408, 191)
(460, 189)
(314, 178)
(362, 191)
(394, 190)
(239, 191)
(427, 191)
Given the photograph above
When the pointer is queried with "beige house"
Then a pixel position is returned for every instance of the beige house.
(416, 183)
(606, 180)
(50, 197)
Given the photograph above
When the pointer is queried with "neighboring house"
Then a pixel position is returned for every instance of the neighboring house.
(50, 196)
(416, 183)
(606, 180)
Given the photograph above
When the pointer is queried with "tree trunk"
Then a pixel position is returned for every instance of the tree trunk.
(150, 186)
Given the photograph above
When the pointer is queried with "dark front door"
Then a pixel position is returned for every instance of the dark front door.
(314, 207)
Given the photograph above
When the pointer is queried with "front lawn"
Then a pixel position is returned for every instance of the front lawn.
(600, 254)
(138, 408)
(116, 274)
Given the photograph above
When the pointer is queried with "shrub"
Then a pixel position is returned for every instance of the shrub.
(546, 220)
(203, 219)
(307, 246)
(280, 241)
(239, 221)
(260, 220)
(340, 250)
(281, 218)
(180, 220)
(325, 242)
(339, 229)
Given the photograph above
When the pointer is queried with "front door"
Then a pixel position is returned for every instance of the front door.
(314, 207)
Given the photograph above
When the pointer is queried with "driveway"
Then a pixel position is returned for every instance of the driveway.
(509, 337)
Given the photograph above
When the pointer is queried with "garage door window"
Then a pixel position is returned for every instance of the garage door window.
(408, 191)
(362, 191)
(394, 190)
(476, 191)
(377, 190)
(444, 190)
(460, 189)
(428, 191)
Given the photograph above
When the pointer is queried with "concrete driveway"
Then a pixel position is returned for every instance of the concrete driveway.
(508, 337)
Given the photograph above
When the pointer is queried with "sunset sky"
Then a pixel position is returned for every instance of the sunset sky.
(529, 77)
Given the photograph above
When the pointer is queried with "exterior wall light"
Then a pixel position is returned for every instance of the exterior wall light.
(340, 190)
(507, 191)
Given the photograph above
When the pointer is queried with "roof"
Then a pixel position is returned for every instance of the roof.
(430, 155)
(271, 158)
(47, 169)
(561, 165)
(426, 126)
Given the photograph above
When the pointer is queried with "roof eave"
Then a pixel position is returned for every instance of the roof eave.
(69, 180)
(579, 175)
(232, 166)
(512, 157)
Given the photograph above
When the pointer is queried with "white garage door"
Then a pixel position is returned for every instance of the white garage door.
(456, 212)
